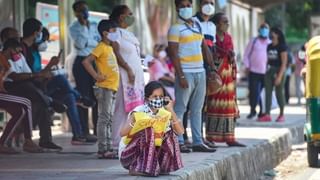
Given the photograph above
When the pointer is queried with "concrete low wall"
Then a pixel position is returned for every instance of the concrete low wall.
(245, 164)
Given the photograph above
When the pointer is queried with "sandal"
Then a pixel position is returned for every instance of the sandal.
(235, 144)
(210, 144)
(8, 150)
(108, 155)
(136, 173)
(31, 147)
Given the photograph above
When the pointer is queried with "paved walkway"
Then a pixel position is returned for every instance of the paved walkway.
(268, 144)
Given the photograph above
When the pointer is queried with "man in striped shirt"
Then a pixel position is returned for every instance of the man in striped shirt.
(188, 51)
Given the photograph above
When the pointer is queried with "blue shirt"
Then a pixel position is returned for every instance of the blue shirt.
(84, 38)
(36, 67)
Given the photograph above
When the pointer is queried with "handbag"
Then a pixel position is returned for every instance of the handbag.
(214, 83)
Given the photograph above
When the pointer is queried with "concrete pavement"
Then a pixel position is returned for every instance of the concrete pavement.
(267, 145)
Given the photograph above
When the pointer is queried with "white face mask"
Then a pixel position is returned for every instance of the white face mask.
(185, 13)
(208, 9)
(113, 36)
(302, 54)
(162, 54)
(43, 46)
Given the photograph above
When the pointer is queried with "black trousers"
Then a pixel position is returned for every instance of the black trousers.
(256, 83)
(84, 85)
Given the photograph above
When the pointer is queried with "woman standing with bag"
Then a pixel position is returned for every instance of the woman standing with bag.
(222, 107)
(277, 65)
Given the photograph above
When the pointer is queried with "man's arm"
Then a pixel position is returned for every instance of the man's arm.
(29, 76)
(173, 54)
(87, 63)
(207, 55)
(26, 73)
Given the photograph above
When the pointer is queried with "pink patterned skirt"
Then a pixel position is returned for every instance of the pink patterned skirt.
(141, 155)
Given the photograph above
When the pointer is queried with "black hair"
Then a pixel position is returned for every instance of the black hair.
(45, 34)
(76, 5)
(178, 2)
(303, 48)
(30, 26)
(159, 47)
(117, 11)
(201, 1)
(105, 25)
(151, 86)
(5, 33)
(11, 43)
(280, 34)
(217, 17)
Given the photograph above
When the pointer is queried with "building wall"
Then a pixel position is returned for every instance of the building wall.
(12, 15)
(240, 26)
(6, 15)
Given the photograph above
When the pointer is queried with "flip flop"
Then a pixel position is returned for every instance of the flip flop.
(33, 149)
(8, 150)
(108, 155)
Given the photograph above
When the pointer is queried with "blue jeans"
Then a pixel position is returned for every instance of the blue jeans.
(59, 88)
(195, 95)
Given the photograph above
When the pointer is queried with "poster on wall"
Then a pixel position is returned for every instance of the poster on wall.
(48, 14)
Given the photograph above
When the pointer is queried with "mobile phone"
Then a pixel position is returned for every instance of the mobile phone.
(165, 102)
(60, 53)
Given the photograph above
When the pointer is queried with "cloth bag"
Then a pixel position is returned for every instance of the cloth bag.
(214, 83)
(274, 102)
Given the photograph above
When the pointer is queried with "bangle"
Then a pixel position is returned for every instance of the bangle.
(131, 125)
(182, 77)
(174, 122)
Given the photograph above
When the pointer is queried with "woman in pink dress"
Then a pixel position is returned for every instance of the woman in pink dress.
(159, 69)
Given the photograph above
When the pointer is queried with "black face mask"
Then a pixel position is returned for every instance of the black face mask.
(85, 14)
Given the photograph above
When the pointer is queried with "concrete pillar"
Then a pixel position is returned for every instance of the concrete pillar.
(65, 18)
(18, 14)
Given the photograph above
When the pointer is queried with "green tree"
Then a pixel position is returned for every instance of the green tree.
(295, 18)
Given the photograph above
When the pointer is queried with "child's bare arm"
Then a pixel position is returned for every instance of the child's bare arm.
(87, 63)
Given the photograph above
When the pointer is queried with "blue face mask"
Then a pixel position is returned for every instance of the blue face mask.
(185, 13)
(85, 14)
(38, 38)
(264, 32)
